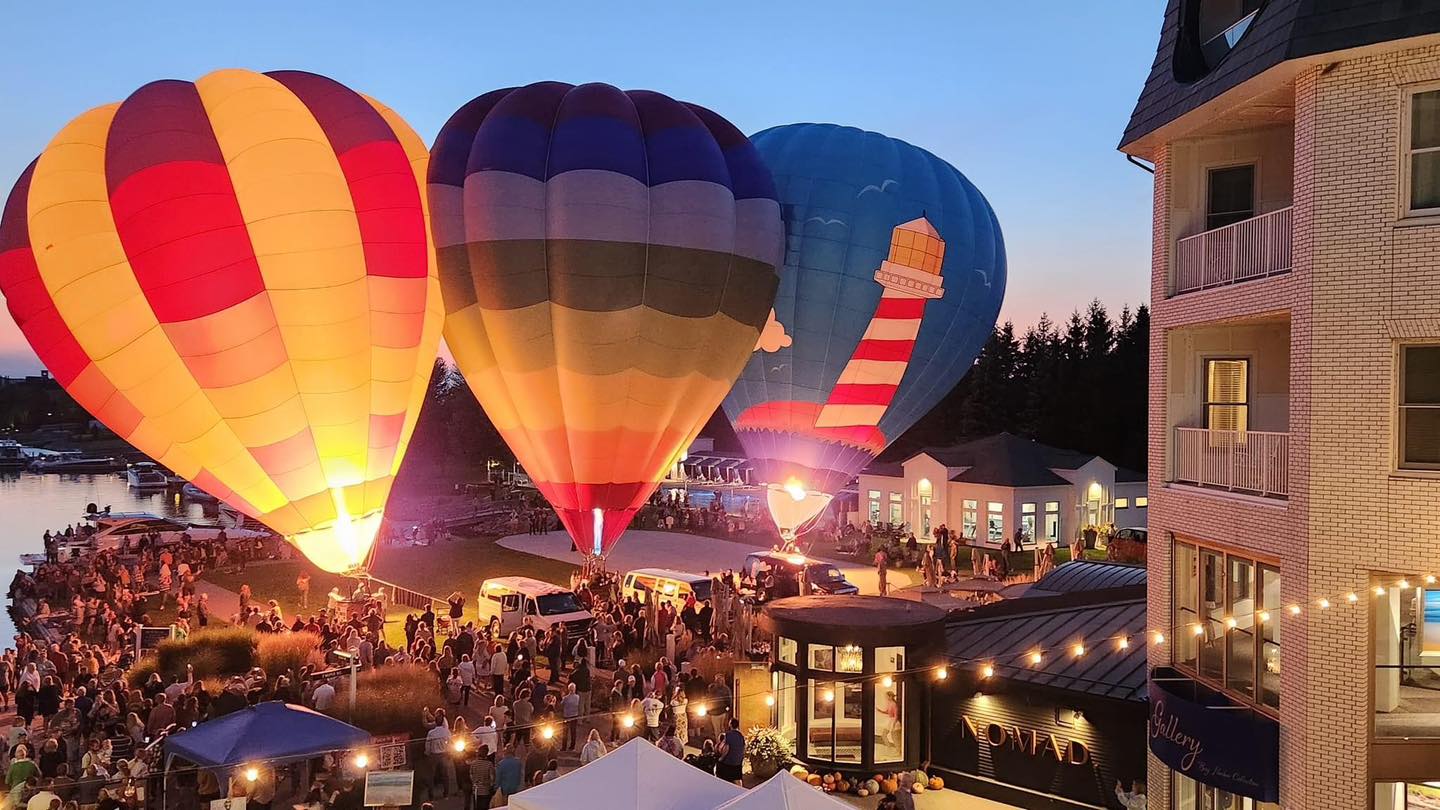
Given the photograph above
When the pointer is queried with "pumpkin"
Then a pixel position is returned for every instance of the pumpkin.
(871, 787)
(863, 793)
(936, 783)
(921, 778)
(814, 779)
(843, 786)
(798, 770)
(918, 787)
(800, 774)
(890, 786)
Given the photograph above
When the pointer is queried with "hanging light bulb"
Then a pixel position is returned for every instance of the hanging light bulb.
(942, 673)
(628, 722)
(829, 695)
(1263, 616)
(1352, 597)
(769, 700)
(361, 761)
(1230, 623)
(1294, 610)
(1429, 579)
(1404, 584)
(1079, 649)
(1197, 629)
(1123, 642)
(887, 681)
(1324, 604)
(1159, 638)
(1036, 658)
(460, 746)
(987, 671)
(1379, 590)
(548, 732)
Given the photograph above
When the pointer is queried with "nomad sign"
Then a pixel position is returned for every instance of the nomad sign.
(1028, 741)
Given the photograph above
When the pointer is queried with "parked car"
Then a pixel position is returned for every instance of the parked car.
(783, 570)
(513, 600)
(665, 584)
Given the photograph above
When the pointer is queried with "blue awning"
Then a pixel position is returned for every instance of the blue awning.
(1205, 735)
(272, 732)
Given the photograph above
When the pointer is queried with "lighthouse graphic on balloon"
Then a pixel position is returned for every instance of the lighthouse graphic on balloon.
(910, 276)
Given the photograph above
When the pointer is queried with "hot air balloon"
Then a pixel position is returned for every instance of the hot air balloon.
(607, 260)
(894, 274)
(235, 276)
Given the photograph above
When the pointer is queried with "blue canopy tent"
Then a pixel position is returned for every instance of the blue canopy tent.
(273, 732)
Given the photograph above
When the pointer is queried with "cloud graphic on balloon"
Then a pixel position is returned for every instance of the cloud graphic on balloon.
(772, 337)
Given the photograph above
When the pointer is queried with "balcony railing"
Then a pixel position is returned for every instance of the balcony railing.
(1249, 249)
(1248, 461)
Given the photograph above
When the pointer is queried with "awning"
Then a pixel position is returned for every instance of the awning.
(272, 732)
(1203, 734)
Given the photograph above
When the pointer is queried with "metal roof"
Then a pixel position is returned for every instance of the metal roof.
(1004, 635)
(1087, 575)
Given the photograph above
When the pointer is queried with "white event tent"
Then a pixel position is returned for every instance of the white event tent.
(784, 792)
(635, 776)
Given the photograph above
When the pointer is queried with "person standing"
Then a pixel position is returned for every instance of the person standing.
(499, 669)
(509, 774)
(437, 751)
(651, 707)
(731, 750)
(482, 779)
(302, 587)
(882, 569)
(570, 711)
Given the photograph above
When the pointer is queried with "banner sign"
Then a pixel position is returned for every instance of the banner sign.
(1203, 734)
(389, 788)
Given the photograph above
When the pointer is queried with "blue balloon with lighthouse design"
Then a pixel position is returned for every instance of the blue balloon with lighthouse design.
(893, 277)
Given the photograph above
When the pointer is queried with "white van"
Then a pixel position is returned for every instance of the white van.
(666, 584)
(514, 600)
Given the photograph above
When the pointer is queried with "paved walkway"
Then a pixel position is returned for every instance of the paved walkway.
(681, 551)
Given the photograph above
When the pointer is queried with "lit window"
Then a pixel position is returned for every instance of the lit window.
(995, 521)
(1122, 503)
(1231, 603)
(1142, 502)
(1052, 506)
(1027, 508)
(994, 506)
(1422, 154)
(1419, 418)
(1227, 394)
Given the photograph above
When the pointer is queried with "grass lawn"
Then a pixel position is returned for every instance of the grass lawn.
(459, 565)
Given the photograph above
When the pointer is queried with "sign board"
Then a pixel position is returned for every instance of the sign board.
(1430, 624)
(1201, 733)
(390, 752)
(148, 638)
(237, 803)
(389, 788)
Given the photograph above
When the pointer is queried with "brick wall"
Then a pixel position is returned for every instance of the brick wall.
(1359, 281)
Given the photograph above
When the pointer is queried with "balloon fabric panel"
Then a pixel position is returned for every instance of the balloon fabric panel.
(894, 275)
(243, 264)
(607, 259)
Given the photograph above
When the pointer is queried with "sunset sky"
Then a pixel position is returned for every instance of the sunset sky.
(1028, 100)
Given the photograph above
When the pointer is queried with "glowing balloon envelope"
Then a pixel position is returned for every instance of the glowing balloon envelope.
(894, 274)
(235, 275)
(607, 260)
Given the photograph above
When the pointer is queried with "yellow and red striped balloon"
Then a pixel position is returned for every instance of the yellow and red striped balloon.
(236, 276)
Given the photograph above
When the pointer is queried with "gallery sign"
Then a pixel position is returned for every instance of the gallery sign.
(1028, 741)
(1201, 733)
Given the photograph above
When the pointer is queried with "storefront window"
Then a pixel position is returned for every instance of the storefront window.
(1212, 614)
(785, 704)
(1227, 614)
(1184, 580)
(1187, 794)
(820, 705)
(1406, 613)
(848, 713)
(1240, 640)
(1270, 637)
(822, 656)
(889, 705)
(1406, 796)
(787, 650)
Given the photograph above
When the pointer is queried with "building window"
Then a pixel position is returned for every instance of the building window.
(1187, 794)
(1230, 196)
(1405, 612)
(1052, 521)
(969, 518)
(1227, 393)
(1419, 418)
(926, 495)
(787, 650)
(1226, 611)
(1422, 153)
(874, 514)
(897, 509)
(1027, 523)
(994, 521)
(889, 743)
(1122, 503)
(1142, 502)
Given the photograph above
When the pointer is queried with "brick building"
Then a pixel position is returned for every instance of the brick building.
(1294, 403)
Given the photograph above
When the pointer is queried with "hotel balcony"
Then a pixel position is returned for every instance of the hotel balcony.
(1252, 248)
(1227, 408)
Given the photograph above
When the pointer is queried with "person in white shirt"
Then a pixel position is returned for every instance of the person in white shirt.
(652, 706)
(437, 751)
(1132, 799)
(488, 733)
(324, 696)
(499, 669)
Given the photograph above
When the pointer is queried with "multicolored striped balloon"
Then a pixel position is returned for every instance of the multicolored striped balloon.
(235, 276)
(608, 259)
(894, 275)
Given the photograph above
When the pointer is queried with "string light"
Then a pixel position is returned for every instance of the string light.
(1294, 610)
(700, 710)
(769, 700)
(1078, 649)
(942, 673)
(1123, 642)
(628, 722)
(1379, 590)
(1230, 623)
(1429, 579)
(1159, 638)
(251, 774)
(1264, 616)
(361, 761)
(829, 695)
(887, 681)
(1352, 597)
(1036, 658)
(460, 746)
(1324, 604)
(1197, 629)
(987, 671)
(1404, 584)
(548, 732)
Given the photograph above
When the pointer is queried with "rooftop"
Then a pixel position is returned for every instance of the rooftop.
(1087, 575)
(1003, 459)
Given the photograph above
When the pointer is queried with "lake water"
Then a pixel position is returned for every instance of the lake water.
(31, 503)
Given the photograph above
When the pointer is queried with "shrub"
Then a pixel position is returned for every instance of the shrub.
(141, 671)
(389, 700)
(767, 745)
(214, 651)
(278, 653)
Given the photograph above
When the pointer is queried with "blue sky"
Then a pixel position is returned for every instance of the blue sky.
(1027, 99)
